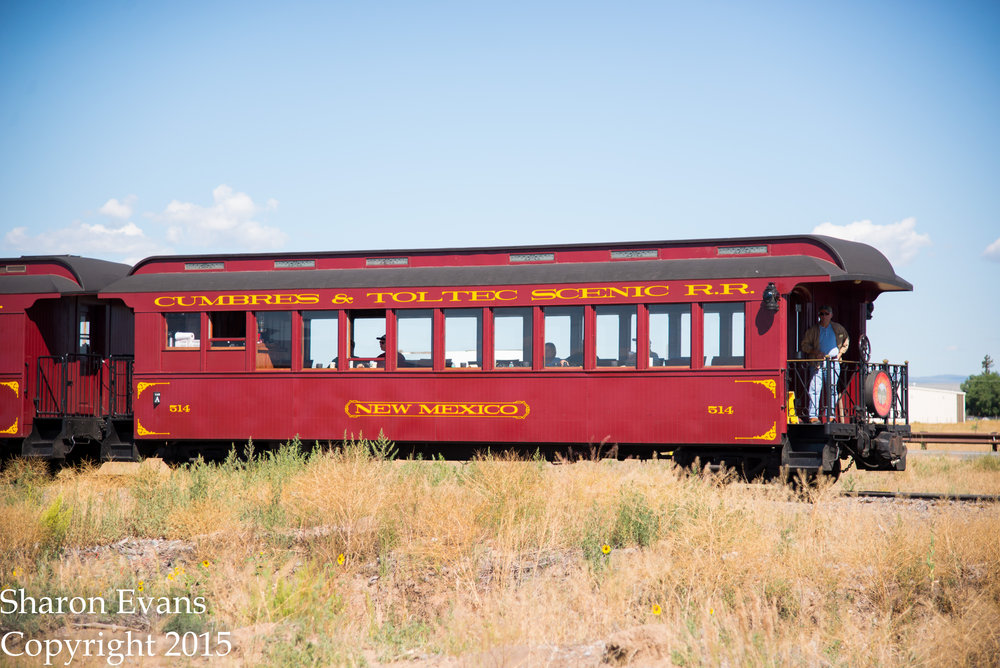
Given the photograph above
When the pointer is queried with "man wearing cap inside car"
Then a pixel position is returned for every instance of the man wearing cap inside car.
(826, 340)
(400, 359)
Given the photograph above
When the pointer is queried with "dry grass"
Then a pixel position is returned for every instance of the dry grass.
(502, 561)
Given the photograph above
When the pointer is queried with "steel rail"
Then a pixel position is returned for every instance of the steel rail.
(926, 496)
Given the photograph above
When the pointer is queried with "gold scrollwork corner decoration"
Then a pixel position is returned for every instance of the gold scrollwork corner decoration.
(769, 383)
(142, 431)
(766, 436)
(142, 386)
(14, 385)
(10, 430)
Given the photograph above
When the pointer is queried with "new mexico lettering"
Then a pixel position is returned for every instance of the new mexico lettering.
(488, 409)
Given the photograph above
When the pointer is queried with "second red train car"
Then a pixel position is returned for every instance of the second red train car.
(686, 349)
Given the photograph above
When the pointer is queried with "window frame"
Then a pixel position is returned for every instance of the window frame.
(587, 328)
(211, 331)
(635, 311)
(389, 331)
(732, 331)
(166, 347)
(261, 348)
(299, 318)
(424, 364)
(691, 358)
(528, 361)
(481, 316)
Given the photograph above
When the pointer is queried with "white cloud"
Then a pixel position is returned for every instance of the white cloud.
(900, 242)
(992, 251)
(127, 242)
(116, 209)
(230, 220)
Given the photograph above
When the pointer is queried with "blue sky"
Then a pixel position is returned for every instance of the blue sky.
(130, 129)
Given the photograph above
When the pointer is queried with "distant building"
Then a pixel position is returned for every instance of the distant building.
(934, 404)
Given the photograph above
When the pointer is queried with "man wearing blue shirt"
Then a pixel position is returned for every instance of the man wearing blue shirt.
(825, 342)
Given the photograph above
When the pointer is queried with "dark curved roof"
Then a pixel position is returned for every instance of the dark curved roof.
(91, 275)
(863, 262)
(854, 262)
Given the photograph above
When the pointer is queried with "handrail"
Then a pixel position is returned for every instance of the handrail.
(83, 385)
(839, 389)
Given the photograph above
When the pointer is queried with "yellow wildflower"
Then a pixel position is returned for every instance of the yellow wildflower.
(206, 563)
(341, 559)
(140, 586)
(657, 609)
(606, 549)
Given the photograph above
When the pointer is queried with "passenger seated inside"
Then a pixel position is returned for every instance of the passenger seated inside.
(380, 360)
(550, 356)
(632, 357)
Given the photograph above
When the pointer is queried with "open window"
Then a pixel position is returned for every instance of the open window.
(320, 330)
(512, 335)
(415, 338)
(227, 329)
(366, 338)
(670, 335)
(724, 327)
(616, 335)
(463, 338)
(563, 334)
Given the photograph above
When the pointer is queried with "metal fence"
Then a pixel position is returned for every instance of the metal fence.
(83, 385)
(834, 391)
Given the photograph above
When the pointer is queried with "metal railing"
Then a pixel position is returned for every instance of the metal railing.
(83, 385)
(835, 391)
(991, 439)
(119, 386)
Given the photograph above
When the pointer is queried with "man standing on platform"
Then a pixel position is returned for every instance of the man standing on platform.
(825, 342)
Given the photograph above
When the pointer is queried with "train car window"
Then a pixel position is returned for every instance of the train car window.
(319, 339)
(183, 330)
(366, 337)
(274, 339)
(563, 334)
(227, 329)
(512, 334)
(84, 343)
(415, 338)
(669, 335)
(463, 338)
(616, 333)
(724, 327)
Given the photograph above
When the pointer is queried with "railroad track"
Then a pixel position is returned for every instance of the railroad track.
(926, 496)
(954, 438)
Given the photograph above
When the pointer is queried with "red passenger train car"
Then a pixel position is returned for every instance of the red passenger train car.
(685, 349)
(65, 357)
